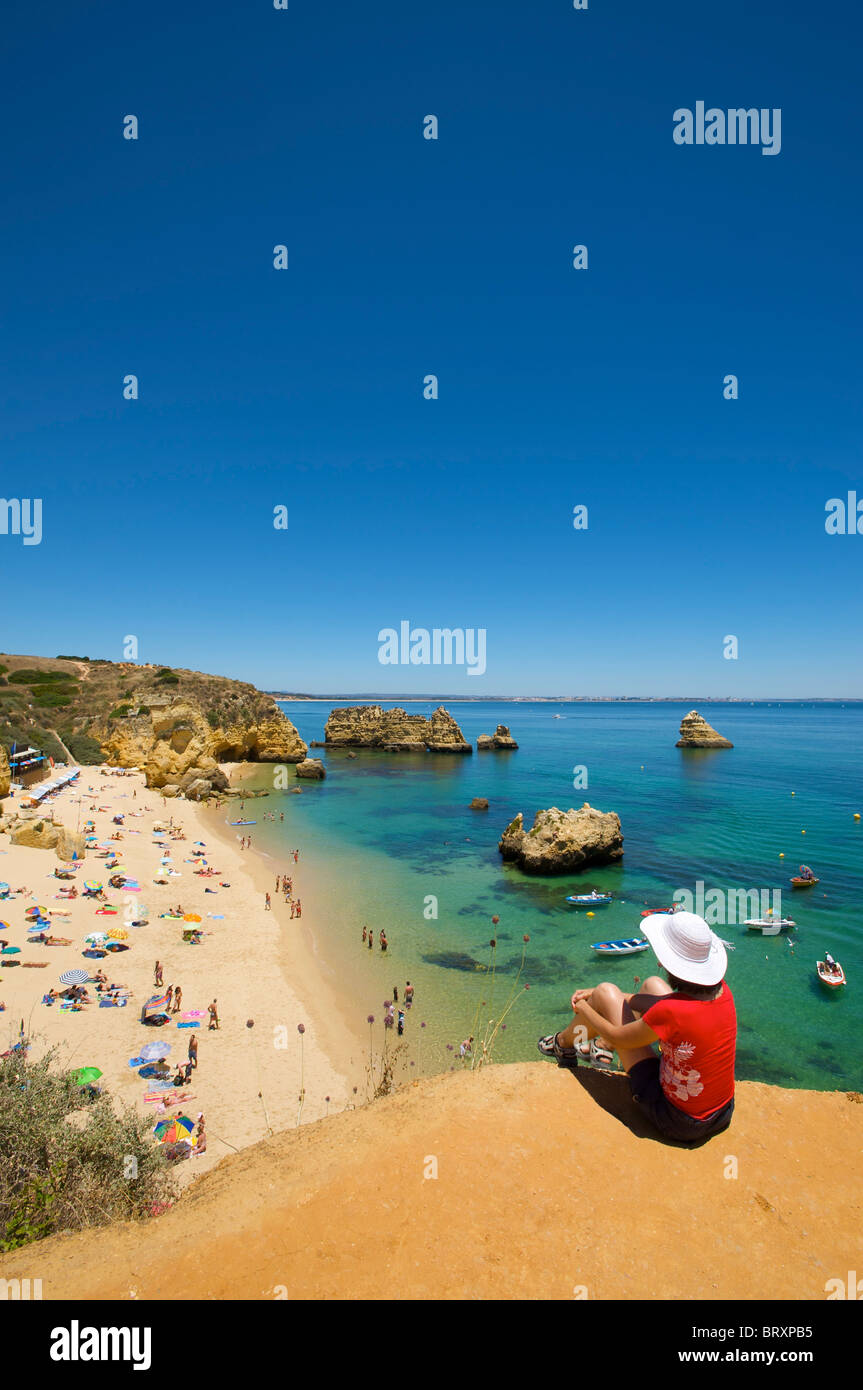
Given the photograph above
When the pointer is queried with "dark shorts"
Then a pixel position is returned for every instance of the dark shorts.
(675, 1124)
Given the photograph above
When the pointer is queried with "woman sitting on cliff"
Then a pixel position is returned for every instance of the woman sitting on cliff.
(688, 1089)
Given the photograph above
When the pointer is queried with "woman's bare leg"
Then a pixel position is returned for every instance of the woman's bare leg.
(610, 1001)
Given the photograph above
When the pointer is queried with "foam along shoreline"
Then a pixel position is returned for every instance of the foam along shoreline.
(248, 1081)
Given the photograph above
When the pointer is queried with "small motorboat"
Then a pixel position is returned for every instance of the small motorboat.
(831, 974)
(770, 926)
(658, 911)
(804, 882)
(630, 947)
(243, 822)
(593, 899)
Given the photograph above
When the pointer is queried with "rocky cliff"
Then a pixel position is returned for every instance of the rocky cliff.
(304, 1210)
(562, 842)
(4, 772)
(695, 732)
(394, 730)
(501, 738)
(180, 750)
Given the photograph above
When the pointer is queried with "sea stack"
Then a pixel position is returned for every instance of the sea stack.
(695, 732)
(501, 738)
(563, 842)
(394, 730)
(311, 767)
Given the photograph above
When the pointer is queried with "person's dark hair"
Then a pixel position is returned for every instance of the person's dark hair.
(694, 991)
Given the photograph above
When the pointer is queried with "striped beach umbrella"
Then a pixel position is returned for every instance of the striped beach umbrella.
(94, 937)
(118, 934)
(155, 1050)
(173, 1131)
(4, 926)
(74, 977)
(191, 917)
(92, 886)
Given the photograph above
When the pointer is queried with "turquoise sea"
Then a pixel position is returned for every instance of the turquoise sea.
(387, 832)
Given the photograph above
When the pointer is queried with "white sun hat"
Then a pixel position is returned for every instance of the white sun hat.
(684, 944)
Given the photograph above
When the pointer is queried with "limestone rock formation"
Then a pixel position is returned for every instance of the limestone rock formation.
(562, 842)
(394, 730)
(37, 832)
(312, 767)
(501, 738)
(695, 732)
(479, 803)
(180, 750)
(5, 775)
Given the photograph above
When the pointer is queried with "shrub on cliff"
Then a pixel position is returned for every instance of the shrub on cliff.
(67, 1160)
(85, 749)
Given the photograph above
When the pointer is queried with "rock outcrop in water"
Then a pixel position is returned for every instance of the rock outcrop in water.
(563, 842)
(394, 730)
(312, 768)
(695, 732)
(180, 750)
(501, 738)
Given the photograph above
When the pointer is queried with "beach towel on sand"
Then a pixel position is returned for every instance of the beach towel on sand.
(188, 1025)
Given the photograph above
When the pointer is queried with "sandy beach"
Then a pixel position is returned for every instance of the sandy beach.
(259, 965)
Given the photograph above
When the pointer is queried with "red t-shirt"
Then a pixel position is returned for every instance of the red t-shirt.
(698, 1039)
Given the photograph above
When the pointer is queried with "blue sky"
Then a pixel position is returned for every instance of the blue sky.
(454, 257)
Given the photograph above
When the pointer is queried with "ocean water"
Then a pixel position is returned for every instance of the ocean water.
(392, 834)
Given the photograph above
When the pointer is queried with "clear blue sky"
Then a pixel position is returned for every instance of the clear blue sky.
(408, 257)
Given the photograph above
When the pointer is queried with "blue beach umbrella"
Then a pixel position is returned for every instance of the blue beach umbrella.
(154, 1050)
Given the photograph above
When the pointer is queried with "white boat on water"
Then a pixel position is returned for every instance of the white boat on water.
(770, 926)
(632, 946)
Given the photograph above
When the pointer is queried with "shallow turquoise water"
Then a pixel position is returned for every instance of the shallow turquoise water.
(388, 831)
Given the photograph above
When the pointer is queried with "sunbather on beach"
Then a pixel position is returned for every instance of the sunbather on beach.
(688, 1089)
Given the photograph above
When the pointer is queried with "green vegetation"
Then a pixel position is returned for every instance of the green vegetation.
(52, 699)
(84, 749)
(121, 712)
(169, 680)
(26, 677)
(72, 658)
(67, 1159)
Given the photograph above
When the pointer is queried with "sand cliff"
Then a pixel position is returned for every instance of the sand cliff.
(549, 1185)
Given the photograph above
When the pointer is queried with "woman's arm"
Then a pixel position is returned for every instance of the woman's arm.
(626, 1035)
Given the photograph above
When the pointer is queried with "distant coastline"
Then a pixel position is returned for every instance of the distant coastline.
(693, 700)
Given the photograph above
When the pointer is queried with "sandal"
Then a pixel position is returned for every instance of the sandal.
(550, 1047)
(600, 1054)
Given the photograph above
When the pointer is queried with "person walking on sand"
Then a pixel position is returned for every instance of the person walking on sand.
(371, 938)
(168, 997)
(267, 904)
(178, 1000)
(193, 1051)
(409, 993)
(157, 973)
(401, 1023)
(365, 934)
(384, 942)
(299, 907)
(213, 1011)
(395, 994)
(687, 1090)
(296, 856)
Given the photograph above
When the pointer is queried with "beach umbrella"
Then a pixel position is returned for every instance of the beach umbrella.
(191, 917)
(201, 843)
(118, 934)
(11, 951)
(173, 1131)
(4, 926)
(85, 1076)
(154, 1050)
(33, 911)
(74, 977)
(92, 886)
(95, 936)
